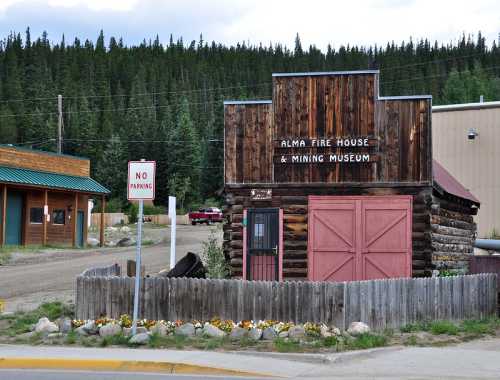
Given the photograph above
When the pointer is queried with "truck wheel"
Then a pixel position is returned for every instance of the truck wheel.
(193, 223)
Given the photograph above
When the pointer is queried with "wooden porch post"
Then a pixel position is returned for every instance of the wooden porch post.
(75, 217)
(101, 232)
(4, 213)
(44, 220)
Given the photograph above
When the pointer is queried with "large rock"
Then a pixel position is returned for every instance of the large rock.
(90, 328)
(125, 229)
(64, 325)
(92, 242)
(269, 334)
(212, 331)
(255, 333)
(45, 326)
(140, 339)
(238, 333)
(296, 332)
(283, 334)
(159, 329)
(127, 331)
(110, 329)
(187, 329)
(324, 331)
(81, 331)
(358, 328)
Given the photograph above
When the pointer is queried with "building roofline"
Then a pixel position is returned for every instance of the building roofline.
(317, 73)
(37, 151)
(236, 102)
(466, 106)
(408, 97)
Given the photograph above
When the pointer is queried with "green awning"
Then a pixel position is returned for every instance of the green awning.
(50, 180)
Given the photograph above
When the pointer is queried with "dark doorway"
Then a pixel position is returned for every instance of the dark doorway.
(263, 244)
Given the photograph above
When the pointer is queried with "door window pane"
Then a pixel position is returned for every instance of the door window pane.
(58, 217)
(36, 215)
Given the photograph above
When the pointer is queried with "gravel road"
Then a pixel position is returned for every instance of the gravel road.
(51, 275)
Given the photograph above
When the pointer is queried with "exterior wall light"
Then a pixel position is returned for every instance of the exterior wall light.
(472, 134)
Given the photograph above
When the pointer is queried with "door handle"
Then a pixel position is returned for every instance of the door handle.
(275, 249)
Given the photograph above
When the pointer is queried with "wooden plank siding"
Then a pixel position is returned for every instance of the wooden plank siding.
(48, 162)
(329, 106)
(248, 143)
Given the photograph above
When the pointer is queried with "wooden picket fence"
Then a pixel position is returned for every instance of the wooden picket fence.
(380, 303)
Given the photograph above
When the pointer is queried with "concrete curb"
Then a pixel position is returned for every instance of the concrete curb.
(121, 366)
(339, 357)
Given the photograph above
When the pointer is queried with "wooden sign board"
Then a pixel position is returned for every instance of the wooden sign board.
(261, 194)
(338, 142)
(327, 158)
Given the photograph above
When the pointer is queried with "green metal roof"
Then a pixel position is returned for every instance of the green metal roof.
(51, 180)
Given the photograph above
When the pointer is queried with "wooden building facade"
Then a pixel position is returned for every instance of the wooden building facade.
(329, 181)
(44, 198)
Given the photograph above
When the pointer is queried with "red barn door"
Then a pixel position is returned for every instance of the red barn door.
(359, 238)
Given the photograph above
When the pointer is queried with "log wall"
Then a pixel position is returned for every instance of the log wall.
(453, 234)
(294, 202)
(382, 304)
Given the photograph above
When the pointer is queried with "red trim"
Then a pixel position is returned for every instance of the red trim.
(154, 180)
(280, 259)
(244, 271)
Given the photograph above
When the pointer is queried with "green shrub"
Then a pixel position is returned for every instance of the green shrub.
(443, 327)
(481, 327)
(367, 340)
(330, 341)
(282, 345)
(154, 210)
(213, 258)
(132, 212)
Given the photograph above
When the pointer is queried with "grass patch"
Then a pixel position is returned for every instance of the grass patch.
(21, 322)
(282, 345)
(367, 340)
(114, 340)
(411, 341)
(71, 338)
(480, 327)
(419, 326)
(4, 257)
(330, 341)
(443, 327)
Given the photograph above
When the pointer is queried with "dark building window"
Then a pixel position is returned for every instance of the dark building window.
(58, 217)
(36, 215)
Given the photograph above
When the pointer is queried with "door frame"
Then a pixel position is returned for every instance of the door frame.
(245, 240)
(82, 230)
(359, 223)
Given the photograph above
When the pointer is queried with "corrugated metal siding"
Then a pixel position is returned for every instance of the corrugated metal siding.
(474, 163)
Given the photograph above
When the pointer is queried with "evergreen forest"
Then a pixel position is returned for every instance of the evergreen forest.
(164, 102)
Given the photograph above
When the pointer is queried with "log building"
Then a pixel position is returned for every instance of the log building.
(44, 198)
(329, 181)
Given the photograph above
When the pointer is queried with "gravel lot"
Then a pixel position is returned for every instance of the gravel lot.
(33, 278)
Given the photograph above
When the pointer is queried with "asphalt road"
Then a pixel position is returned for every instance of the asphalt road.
(25, 285)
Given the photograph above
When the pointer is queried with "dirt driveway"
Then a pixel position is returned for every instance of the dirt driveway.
(51, 276)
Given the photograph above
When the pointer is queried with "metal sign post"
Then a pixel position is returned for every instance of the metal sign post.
(173, 225)
(140, 186)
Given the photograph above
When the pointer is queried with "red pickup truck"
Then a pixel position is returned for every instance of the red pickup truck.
(207, 215)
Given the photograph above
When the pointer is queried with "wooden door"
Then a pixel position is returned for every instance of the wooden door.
(359, 238)
(262, 244)
(14, 218)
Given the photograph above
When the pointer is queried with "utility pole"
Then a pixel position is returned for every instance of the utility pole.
(59, 124)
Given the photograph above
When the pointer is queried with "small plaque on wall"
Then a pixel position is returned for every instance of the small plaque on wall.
(261, 194)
